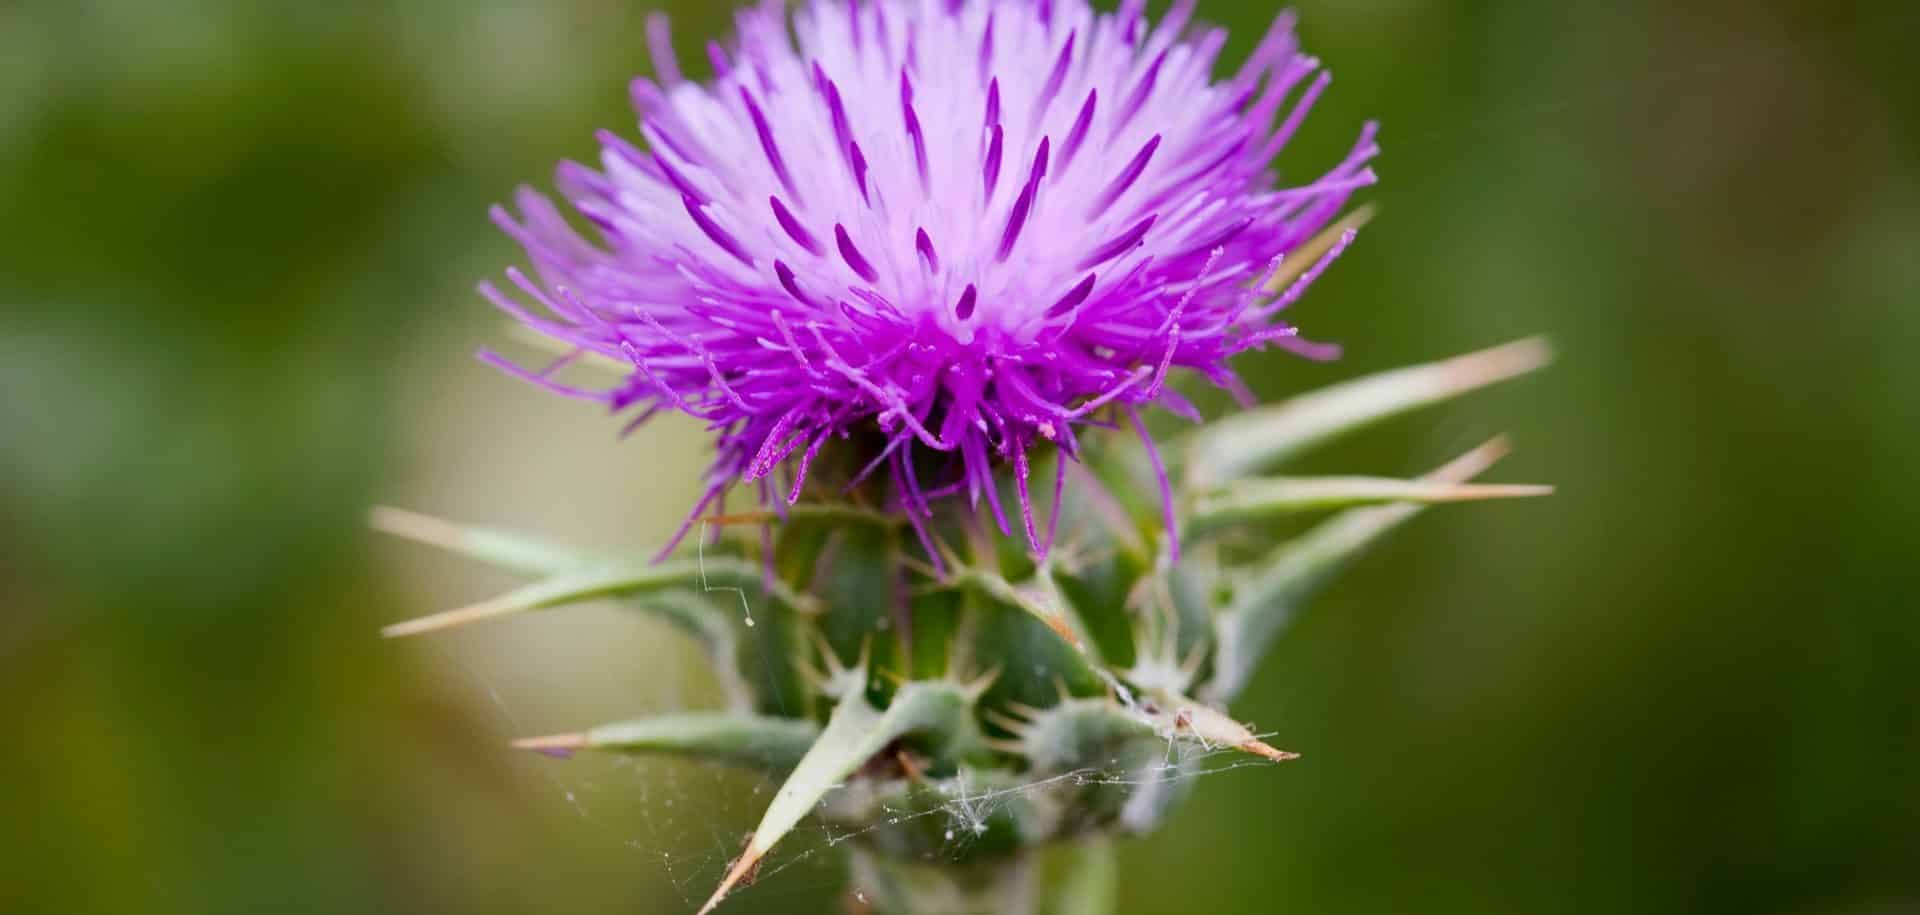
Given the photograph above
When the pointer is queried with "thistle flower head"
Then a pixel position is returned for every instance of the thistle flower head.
(960, 228)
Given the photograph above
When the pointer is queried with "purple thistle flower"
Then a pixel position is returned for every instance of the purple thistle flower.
(967, 225)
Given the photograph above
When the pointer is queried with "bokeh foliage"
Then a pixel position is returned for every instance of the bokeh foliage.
(234, 311)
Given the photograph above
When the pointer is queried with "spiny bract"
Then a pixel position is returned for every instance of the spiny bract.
(955, 227)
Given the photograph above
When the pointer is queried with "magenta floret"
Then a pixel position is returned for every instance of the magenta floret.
(968, 225)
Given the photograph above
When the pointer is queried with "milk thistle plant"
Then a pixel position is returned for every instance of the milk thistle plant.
(921, 266)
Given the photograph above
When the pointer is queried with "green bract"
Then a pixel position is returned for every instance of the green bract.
(1065, 686)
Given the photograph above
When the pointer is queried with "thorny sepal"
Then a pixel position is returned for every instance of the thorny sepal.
(510, 550)
(852, 573)
(1235, 446)
(1256, 500)
(1082, 732)
(710, 598)
(1175, 716)
(940, 713)
(756, 741)
(1095, 759)
(1038, 598)
(1098, 764)
(1263, 607)
(1102, 554)
(1041, 661)
(1097, 645)
(620, 579)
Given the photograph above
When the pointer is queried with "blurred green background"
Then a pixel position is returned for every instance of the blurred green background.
(236, 309)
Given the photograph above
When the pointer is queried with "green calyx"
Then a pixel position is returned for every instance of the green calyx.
(973, 719)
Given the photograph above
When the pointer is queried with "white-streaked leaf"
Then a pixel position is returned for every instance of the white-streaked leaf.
(854, 733)
(761, 741)
(617, 580)
(1294, 571)
(508, 550)
(1235, 446)
(687, 608)
(1253, 500)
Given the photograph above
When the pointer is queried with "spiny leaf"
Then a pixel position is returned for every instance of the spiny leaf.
(1042, 602)
(854, 733)
(1177, 715)
(1296, 569)
(506, 549)
(1237, 445)
(1249, 501)
(1081, 733)
(762, 741)
(854, 572)
(1040, 647)
(685, 608)
(617, 580)
(1097, 589)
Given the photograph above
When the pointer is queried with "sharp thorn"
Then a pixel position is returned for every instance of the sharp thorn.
(740, 873)
(411, 525)
(1008, 722)
(1024, 710)
(978, 686)
(559, 746)
(1473, 463)
(472, 613)
(1260, 748)
(915, 771)
(1009, 747)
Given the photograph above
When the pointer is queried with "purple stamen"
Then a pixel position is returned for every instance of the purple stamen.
(1073, 298)
(991, 174)
(793, 228)
(1139, 95)
(913, 128)
(713, 231)
(1054, 78)
(986, 48)
(852, 255)
(792, 285)
(963, 309)
(1126, 241)
(1078, 132)
(767, 145)
(1125, 179)
(924, 244)
(1016, 220)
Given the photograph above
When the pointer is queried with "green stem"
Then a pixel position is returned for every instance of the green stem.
(1078, 878)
